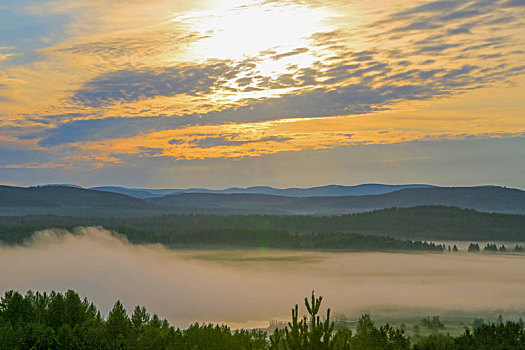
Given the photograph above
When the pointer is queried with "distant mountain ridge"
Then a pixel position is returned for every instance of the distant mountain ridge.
(57, 195)
(67, 200)
(319, 191)
(492, 199)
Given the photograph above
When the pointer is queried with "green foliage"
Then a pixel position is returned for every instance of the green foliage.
(478, 322)
(64, 321)
(189, 231)
(313, 333)
(433, 323)
(306, 333)
(435, 342)
(221, 337)
(473, 248)
(490, 248)
(492, 336)
(368, 336)
(425, 222)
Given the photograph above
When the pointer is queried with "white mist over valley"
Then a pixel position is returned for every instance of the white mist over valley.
(249, 288)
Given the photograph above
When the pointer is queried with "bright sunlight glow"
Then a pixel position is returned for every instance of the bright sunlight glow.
(235, 30)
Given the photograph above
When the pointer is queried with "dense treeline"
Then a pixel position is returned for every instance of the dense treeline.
(427, 223)
(492, 247)
(56, 321)
(255, 238)
(285, 240)
(64, 321)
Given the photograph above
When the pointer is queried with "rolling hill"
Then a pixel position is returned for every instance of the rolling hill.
(489, 199)
(67, 196)
(320, 191)
(67, 200)
(14, 199)
(422, 223)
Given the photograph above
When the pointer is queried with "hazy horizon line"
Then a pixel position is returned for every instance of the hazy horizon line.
(240, 187)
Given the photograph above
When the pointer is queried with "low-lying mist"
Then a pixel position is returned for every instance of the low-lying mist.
(251, 287)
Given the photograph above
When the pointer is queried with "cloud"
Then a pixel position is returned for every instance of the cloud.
(437, 17)
(352, 99)
(25, 33)
(2, 98)
(56, 118)
(244, 81)
(132, 85)
(216, 141)
(433, 49)
(418, 26)
(93, 129)
(345, 75)
(136, 45)
(461, 15)
(11, 154)
(446, 162)
(433, 6)
(514, 3)
(5, 56)
(176, 142)
(296, 51)
(150, 151)
(459, 30)
(436, 48)
(379, 89)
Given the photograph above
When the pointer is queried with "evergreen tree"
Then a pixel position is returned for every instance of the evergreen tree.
(473, 247)
(118, 326)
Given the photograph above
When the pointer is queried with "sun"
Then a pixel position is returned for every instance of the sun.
(271, 36)
(244, 29)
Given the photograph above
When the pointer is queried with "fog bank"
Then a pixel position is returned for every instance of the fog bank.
(252, 287)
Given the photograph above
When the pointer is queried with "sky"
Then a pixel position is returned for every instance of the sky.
(210, 93)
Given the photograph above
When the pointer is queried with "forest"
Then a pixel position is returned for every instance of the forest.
(65, 321)
(419, 223)
(226, 238)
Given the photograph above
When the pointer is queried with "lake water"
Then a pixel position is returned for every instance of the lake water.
(249, 288)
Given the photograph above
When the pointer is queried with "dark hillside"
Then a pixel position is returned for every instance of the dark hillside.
(319, 191)
(14, 199)
(71, 201)
(72, 196)
(490, 199)
(226, 201)
(425, 223)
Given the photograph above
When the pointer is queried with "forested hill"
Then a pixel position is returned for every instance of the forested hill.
(319, 191)
(73, 201)
(65, 321)
(490, 199)
(425, 223)
(66, 196)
